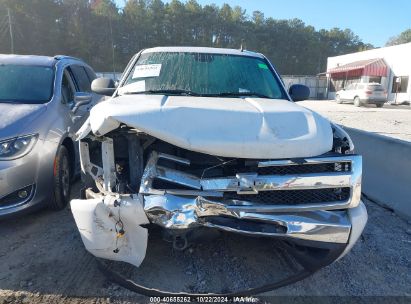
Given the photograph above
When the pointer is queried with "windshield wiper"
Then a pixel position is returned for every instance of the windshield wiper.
(191, 93)
(240, 94)
(169, 91)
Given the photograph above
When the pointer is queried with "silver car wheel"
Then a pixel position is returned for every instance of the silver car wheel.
(65, 176)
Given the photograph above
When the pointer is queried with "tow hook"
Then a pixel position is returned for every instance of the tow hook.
(180, 242)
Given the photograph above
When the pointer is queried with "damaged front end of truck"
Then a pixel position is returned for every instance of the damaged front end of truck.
(135, 179)
(185, 164)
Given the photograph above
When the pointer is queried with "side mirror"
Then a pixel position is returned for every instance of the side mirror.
(299, 92)
(103, 86)
(81, 99)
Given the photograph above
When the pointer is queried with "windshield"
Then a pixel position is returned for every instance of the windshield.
(203, 75)
(25, 84)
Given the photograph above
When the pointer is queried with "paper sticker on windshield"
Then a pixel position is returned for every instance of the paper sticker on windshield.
(147, 70)
(263, 66)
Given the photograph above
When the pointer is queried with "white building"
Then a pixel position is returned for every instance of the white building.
(390, 66)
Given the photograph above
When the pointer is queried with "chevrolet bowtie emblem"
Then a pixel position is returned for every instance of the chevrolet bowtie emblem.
(246, 183)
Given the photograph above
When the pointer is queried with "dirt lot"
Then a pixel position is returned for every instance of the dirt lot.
(42, 260)
(393, 121)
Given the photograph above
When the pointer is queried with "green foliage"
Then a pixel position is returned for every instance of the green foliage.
(404, 37)
(91, 29)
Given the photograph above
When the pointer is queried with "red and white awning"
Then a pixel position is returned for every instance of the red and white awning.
(370, 67)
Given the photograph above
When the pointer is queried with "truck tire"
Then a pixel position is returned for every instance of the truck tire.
(379, 105)
(61, 180)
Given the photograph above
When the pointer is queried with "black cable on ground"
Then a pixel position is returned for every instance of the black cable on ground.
(130, 285)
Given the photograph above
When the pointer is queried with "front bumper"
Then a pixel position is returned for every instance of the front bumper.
(33, 172)
(312, 201)
(173, 212)
(97, 219)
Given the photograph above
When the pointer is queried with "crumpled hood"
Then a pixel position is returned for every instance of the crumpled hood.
(231, 127)
(15, 119)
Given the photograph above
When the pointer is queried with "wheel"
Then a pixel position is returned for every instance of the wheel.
(357, 101)
(61, 180)
(338, 99)
(379, 105)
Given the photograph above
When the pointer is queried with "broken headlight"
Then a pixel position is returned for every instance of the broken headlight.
(342, 142)
(17, 147)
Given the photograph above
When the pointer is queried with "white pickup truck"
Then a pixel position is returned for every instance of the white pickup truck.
(210, 138)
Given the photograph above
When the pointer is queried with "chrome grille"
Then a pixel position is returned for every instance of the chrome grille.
(322, 183)
(305, 168)
(293, 197)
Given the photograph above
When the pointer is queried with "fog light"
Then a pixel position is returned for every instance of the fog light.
(22, 194)
(19, 196)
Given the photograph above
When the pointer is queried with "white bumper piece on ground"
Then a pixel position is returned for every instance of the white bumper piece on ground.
(110, 227)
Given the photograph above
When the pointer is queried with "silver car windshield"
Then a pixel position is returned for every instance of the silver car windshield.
(25, 83)
(202, 74)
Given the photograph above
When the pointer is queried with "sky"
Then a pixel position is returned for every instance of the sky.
(374, 21)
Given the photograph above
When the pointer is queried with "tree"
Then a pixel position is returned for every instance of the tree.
(106, 37)
(404, 37)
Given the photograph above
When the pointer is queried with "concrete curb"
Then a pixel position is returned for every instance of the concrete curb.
(386, 169)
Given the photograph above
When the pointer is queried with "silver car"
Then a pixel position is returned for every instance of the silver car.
(43, 102)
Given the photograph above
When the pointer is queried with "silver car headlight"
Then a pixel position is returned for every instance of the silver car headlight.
(17, 147)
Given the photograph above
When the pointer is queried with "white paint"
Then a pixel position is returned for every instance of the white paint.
(138, 86)
(147, 70)
(96, 220)
(84, 130)
(230, 127)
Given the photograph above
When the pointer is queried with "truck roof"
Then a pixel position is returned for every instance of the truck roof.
(208, 50)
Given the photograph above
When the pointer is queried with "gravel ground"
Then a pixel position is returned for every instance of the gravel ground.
(42, 260)
(391, 120)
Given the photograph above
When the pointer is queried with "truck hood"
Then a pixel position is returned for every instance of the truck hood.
(229, 127)
(16, 119)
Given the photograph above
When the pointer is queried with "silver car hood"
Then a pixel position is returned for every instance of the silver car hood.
(231, 127)
(15, 119)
